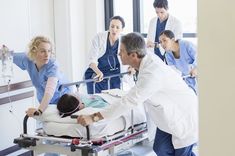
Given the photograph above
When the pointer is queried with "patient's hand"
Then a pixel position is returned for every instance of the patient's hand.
(150, 44)
(84, 120)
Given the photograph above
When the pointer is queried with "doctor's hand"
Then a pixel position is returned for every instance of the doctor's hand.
(99, 76)
(84, 120)
(193, 72)
(151, 44)
(3, 50)
(131, 70)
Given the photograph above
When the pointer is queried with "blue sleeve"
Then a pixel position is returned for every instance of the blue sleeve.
(192, 53)
(169, 58)
(21, 60)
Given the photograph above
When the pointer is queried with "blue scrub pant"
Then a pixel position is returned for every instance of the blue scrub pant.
(163, 146)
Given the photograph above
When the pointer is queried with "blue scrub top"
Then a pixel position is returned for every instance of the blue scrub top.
(39, 78)
(160, 27)
(187, 61)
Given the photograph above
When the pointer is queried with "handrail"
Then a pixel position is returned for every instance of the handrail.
(91, 80)
(26, 120)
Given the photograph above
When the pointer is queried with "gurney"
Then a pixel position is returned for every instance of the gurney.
(106, 137)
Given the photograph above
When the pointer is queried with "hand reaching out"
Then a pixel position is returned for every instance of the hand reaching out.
(193, 72)
(33, 111)
(30, 112)
(99, 76)
(151, 44)
(131, 70)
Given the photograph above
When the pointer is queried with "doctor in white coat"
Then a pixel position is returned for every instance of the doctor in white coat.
(172, 105)
(103, 57)
(163, 21)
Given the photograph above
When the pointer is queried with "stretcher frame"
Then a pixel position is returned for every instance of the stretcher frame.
(106, 146)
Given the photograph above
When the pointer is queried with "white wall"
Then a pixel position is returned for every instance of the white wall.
(216, 31)
(76, 23)
(41, 18)
(14, 30)
(20, 21)
(11, 120)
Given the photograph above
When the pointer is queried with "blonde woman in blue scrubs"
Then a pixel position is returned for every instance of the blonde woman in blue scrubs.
(43, 71)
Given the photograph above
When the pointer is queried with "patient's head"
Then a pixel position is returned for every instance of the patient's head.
(67, 105)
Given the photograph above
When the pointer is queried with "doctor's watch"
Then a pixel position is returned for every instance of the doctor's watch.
(95, 117)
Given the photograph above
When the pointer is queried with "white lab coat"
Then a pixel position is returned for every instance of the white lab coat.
(172, 24)
(172, 105)
(98, 49)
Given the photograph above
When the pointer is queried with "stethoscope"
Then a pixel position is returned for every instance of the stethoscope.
(111, 57)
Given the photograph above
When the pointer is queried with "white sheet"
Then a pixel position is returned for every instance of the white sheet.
(54, 125)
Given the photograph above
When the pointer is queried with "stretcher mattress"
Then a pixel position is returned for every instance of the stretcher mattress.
(54, 125)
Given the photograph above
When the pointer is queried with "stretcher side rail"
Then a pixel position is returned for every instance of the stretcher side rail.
(87, 147)
(137, 135)
(78, 83)
(23, 141)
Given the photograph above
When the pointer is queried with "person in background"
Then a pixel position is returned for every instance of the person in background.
(161, 22)
(103, 59)
(71, 103)
(43, 71)
(171, 104)
(182, 55)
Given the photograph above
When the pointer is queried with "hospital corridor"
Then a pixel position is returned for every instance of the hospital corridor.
(116, 78)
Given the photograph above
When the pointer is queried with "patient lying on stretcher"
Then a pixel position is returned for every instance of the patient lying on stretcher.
(71, 103)
(56, 119)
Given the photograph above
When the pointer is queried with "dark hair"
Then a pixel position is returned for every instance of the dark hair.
(168, 34)
(67, 105)
(134, 43)
(118, 18)
(160, 4)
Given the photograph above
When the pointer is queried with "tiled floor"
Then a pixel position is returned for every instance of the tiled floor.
(142, 149)
(145, 149)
